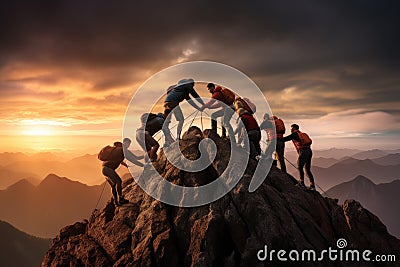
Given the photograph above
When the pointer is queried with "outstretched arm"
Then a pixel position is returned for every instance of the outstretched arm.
(133, 158)
(196, 96)
(191, 102)
(290, 137)
(209, 104)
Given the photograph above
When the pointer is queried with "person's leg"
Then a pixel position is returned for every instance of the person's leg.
(228, 113)
(301, 162)
(141, 140)
(214, 117)
(111, 179)
(223, 131)
(257, 143)
(151, 146)
(280, 151)
(165, 128)
(121, 199)
(308, 168)
(271, 147)
(179, 117)
(254, 139)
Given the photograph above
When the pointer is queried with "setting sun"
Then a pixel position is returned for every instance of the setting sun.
(38, 132)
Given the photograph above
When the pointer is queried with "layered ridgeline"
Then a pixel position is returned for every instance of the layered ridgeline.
(382, 199)
(228, 232)
(43, 209)
(18, 249)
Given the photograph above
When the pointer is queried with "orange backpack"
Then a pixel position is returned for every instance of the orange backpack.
(305, 140)
(105, 153)
(229, 96)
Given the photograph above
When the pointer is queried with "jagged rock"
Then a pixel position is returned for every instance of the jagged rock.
(227, 232)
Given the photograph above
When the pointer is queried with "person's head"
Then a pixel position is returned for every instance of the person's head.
(295, 127)
(118, 144)
(211, 87)
(127, 142)
(266, 117)
(190, 81)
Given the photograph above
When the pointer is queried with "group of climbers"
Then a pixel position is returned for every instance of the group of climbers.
(227, 104)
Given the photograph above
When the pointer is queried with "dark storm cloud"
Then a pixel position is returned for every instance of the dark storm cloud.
(280, 43)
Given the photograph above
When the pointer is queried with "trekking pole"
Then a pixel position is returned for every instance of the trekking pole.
(101, 194)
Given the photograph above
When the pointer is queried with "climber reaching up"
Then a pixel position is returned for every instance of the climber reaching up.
(302, 142)
(112, 157)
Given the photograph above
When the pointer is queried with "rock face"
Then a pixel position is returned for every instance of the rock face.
(228, 232)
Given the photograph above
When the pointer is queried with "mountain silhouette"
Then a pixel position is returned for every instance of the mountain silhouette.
(347, 169)
(336, 153)
(370, 154)
(86, 168)
(227, 232)
(43, 209)
(18, 249)
(381, 199)
(391, 159)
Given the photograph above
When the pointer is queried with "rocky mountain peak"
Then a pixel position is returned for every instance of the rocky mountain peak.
(226, 232)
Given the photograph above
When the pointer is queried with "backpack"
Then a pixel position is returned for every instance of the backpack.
(248, 105)
(305, 140)
(229, 96)
(170, 89)
(147, 117)
(105, 153)
(279, 125)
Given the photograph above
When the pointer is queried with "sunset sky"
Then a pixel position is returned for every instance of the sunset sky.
(68, 69)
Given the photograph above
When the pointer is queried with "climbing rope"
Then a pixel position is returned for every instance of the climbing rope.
(159, 131)
(101, 194)
(201, 119)
(197, 112)
(314, 181)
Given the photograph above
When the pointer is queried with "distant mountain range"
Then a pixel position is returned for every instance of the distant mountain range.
(330, 172)
(17, 166)
(346, 170)
(18, 249)
(43, 209)
(382, 199)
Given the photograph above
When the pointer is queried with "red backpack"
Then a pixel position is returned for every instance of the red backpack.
(229, 96)
(279, 125)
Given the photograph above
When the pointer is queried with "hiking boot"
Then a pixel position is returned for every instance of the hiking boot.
(301, 184)
(122, 200)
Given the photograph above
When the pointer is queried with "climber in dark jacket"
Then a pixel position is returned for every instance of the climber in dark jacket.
(175, 95)
(151, 124)
(115, 159)
(302, 143)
